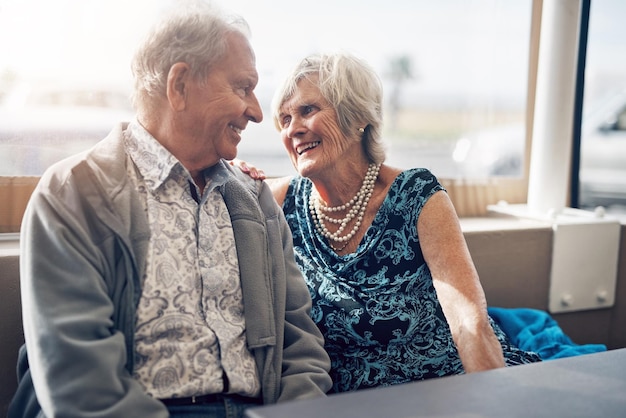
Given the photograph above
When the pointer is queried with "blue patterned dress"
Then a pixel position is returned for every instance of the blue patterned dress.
(377, 307)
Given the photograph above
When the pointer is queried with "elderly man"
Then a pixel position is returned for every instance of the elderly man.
(156, 280)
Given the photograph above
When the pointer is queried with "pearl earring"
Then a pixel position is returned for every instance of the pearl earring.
(361, 130)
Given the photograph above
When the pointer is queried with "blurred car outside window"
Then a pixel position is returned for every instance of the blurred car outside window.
(500, 152)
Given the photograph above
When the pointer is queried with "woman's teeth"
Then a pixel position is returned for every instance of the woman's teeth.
(301, 149)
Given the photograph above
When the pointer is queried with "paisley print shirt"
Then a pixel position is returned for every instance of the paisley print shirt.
(190, 332)
(377, 307)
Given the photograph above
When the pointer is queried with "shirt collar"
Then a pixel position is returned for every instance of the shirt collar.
(156, 164)
(216, 176)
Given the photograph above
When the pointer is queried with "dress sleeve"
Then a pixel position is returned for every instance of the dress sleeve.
(414, 187)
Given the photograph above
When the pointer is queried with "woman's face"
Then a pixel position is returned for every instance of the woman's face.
(311, 134)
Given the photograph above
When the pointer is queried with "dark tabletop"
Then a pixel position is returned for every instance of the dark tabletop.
(591, 385)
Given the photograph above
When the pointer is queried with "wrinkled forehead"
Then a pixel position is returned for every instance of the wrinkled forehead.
(304, 90)
(239, 45)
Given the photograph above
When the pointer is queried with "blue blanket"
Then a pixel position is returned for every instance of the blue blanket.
(535, 330)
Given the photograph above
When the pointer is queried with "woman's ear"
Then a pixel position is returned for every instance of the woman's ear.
(178, 86)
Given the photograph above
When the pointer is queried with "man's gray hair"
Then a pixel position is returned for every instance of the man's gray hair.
(195, 32)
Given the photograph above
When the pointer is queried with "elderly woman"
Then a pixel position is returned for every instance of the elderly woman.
(395, 291)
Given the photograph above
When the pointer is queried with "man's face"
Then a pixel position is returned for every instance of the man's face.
(218, 109)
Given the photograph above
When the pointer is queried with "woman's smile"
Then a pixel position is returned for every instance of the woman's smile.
(302, 148)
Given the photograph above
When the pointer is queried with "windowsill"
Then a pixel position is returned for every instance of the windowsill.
(497, 222)
(9, 242)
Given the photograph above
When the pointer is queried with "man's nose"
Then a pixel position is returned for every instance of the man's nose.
(254, 112)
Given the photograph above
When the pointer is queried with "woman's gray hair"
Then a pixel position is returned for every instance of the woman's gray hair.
(352, 88)
(194, 33)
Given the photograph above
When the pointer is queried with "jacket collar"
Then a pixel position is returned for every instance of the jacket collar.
(106, 168)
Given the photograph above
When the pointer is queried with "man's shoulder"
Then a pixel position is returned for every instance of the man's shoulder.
(241, 178)
(101, 167)
(257, 190)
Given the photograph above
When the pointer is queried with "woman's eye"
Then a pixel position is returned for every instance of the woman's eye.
(307, 109)
(286, 120)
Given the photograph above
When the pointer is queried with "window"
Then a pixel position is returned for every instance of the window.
(602, 175)
(448, 67)
(452, 70)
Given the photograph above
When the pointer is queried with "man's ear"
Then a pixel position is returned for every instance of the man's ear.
(178, 80)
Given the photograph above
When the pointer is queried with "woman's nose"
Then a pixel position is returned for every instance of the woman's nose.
(295, 127)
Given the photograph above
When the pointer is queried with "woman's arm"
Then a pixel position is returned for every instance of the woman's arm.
(457, 284)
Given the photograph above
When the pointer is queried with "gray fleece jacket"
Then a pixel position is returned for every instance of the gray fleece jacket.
(83, 246)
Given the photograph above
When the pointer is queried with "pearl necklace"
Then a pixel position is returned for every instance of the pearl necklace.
(357, 206)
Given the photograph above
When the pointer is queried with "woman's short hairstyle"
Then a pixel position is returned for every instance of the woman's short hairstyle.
(194, 33)
(352, 88)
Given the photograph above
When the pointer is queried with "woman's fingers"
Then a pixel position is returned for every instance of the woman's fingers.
(250, 170)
